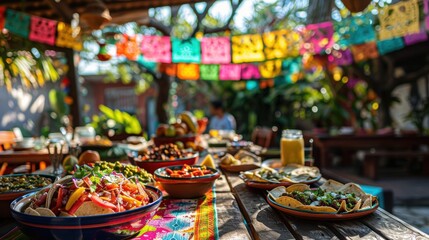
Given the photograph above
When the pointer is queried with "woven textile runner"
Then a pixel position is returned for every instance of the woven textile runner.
(183, 219)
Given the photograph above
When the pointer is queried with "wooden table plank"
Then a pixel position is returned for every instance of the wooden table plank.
(306, 229)
(263, 221)
(230, 221)
(355, 230)
(392, 227)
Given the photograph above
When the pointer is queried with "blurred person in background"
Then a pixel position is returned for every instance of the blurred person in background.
(220, 119)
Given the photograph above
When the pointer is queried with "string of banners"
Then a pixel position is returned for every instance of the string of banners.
(261, 56)
(39, 29)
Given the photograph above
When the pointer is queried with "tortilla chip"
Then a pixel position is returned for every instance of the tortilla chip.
(297, 187)
(331, 186)
(277, 192)
(352, 188)
(317, 208)
(66, 214)
(289, 202)
(31, 211)
(89, 208)
(45, 212)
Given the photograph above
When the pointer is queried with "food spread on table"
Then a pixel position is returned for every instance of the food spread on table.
(241, 158)
(292, 173)
(92, 194)
(18, 183)
(188, 172)
(330, 197)
(164, 152)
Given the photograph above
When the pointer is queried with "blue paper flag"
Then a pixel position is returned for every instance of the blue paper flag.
(355, 30)
(186, 51)
(18, 23)
(390, 45)
(252, 84)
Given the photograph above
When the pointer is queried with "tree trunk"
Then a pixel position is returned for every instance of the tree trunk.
(319, 11)
(162, 99)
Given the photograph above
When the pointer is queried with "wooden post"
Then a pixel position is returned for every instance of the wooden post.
(72, 75)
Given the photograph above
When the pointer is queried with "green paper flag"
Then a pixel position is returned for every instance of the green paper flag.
(17, 23)
(186, 51)
(209, 72)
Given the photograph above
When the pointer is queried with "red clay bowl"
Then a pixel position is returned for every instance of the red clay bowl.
(158, 141)
(194, 187)
(151, 166)
(7, 197)
(122, 225)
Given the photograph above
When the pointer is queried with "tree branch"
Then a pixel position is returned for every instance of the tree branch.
(165, 30)
(225, 27)
(411, 77)
(200, 16)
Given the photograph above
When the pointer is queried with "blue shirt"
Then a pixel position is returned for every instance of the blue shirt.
(227, 122)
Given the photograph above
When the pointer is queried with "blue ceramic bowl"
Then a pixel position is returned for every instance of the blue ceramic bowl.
(122, 225)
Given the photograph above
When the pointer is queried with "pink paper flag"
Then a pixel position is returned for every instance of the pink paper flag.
(43, 30)
(318, 37)
(250, 71)
(415, 38)
(230, 72)
(216, 50)
(156, 48)
(2, 16)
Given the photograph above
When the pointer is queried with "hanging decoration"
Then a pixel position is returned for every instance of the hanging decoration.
(168, 68)
(291, 69)
(364, 51)
(415, 38)
(186, 51)
(102, 52)
(341, 57)
(270, 69)
(230, 72)
(399, 19)
(268, 83)
(188, 71)
(355, 6)
(252, 85)
(247, 48)
(2, 16)
(317, 37)
(209, 72)
(355, 30)
(128, 47)
(17, 23)
(215, 50)
(43, 30)
(68, 37)
(250, 71)
(426, 13)
(281, 44)
(390, 45)
(156, 48)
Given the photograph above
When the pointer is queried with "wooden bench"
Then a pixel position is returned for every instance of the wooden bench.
(372, 158)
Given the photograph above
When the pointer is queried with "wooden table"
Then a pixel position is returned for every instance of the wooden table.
(32, 157)
(325, 144)
(243, 213)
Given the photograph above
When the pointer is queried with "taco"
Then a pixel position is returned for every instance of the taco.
(291, 173)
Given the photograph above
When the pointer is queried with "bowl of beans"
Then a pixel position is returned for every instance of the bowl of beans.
(186, 181)
(166, 155)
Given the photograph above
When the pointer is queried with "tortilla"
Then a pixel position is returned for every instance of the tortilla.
(352, 188)
(289, 202)
(343, 207)
(312, 172)
(366, 201)
(45, 212)
(331, 186)
(31, 211)
(55, 187)
(89, 208)
(277, 192)
(297, 187)
(249, 175)
(317, 208)
(66, 214)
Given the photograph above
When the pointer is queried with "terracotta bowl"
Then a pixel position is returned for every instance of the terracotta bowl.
(194, 187)
(121, 225)
(151, 166)
(7, 197)
(158, 141)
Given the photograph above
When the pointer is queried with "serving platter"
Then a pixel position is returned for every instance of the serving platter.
(311, 215)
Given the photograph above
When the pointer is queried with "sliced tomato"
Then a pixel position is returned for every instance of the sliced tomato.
(58, 203)
(168, 171)
(100, 202)
(175, 175)
(207, 172)
(186, 175)
(78, 203)
(111, 186)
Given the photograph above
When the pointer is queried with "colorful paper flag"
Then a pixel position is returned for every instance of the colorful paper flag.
(426, 13)
(317, 38)
(128, 47)
(168, 68)
(416, 38)
(216, 50)
(209, 72)
(365, 51)
(390, 45)
(399, 19)
(281, 44)
(341, 57)
(156, 48)
(251, 85)
(43, 30)
(270, 69)
(247, 48)
(186, 51)
(2, 16)
(230, 72)
(188, 71)
(17, 23)
(68, 37)
(250, 71)
(266, 83)
(355, 30)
